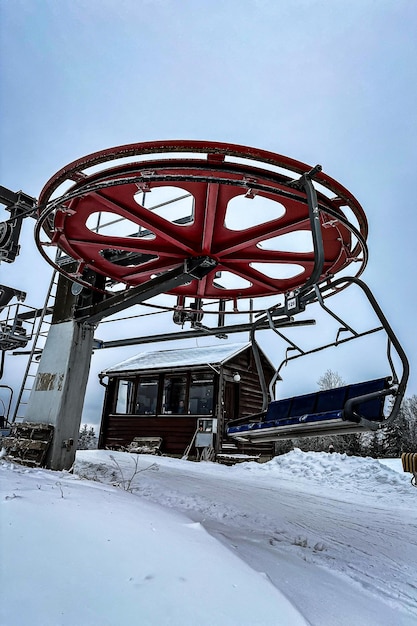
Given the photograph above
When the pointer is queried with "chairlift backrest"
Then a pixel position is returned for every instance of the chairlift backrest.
(327, 410)
(373, 406)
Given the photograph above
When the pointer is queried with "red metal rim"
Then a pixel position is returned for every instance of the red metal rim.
(216, 177)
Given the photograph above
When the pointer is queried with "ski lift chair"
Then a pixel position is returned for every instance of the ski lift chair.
(353, 408)
(350, 409)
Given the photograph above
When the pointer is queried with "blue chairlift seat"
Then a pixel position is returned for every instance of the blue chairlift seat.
(353, 408)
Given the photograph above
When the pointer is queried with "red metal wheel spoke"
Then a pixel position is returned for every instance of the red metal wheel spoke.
(233, 241)
(162, 228)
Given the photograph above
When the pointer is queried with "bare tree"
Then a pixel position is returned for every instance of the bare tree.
(346, 443)
(330, 380)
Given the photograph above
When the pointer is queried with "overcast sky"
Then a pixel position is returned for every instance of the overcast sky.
(331, 82)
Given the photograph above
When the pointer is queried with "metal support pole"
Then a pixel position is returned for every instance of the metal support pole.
(57, 396)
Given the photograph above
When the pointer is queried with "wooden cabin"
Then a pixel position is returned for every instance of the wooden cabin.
(184, 397)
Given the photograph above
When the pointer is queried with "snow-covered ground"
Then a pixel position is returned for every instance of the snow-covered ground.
(308, 538)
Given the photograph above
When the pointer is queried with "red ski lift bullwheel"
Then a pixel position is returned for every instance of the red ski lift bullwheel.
(161, 203)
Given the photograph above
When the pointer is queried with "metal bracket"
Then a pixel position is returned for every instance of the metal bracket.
(20, 205)
(293, 304)
(7, 293)
(194, 268)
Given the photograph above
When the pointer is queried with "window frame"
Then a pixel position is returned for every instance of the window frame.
(161, 377)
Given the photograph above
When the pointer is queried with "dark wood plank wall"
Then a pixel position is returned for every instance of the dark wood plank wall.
(250, 400)
(108, 404)
(176, 431)
(250, 388)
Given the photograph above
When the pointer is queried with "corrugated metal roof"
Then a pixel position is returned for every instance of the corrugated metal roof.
(183, 357)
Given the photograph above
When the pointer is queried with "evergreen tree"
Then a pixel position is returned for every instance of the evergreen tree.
(409, 407)
(352, 444)
(282, 447)
(87, 439)
(377, 444)
(398, 434)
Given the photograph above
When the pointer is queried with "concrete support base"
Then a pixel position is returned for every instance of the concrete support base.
(57, 396)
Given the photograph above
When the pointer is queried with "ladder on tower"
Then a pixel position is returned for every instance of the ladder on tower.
(38, 343)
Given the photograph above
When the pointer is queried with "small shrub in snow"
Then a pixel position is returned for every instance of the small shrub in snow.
(126, 483)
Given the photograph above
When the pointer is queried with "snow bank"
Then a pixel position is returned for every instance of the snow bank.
(87, 554)
(355, 474)
(337, 534)
(329, 537)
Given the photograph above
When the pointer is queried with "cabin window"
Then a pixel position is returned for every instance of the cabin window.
(187, 393)
(174, 395)
(201, 394)
(146, 396)
(124, 396)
